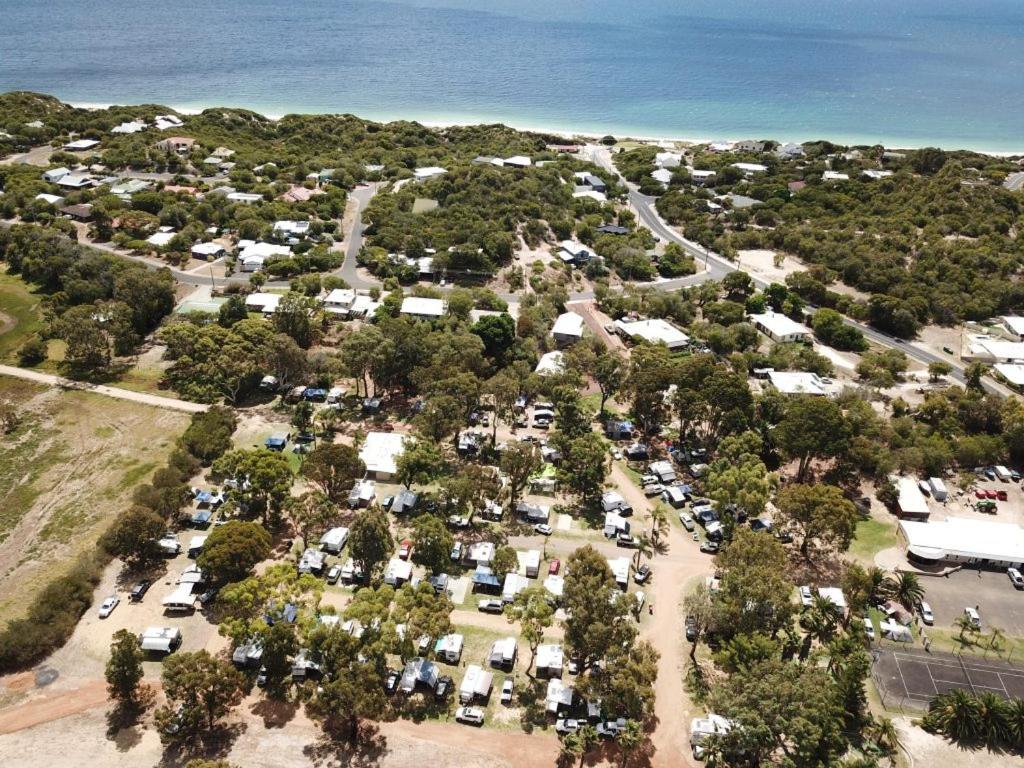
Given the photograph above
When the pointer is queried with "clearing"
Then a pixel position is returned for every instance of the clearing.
(67, 469)
(20, 315)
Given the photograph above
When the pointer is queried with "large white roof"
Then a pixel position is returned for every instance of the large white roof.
(381, 450)
(568, 324)
(1012, 372)
(798, 383)
(550, 362)
(422, 307)
(965, 538)
(264, 250)
(654, 331)
(1015, 323)
(779, 325)
(911, 500)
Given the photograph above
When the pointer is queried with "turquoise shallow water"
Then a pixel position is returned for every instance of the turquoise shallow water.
(913, 72)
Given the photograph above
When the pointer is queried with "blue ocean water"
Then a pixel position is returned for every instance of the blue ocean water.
(907, 72)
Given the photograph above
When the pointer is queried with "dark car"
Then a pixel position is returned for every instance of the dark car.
(691, 628)
(444, 687)
(784, 537)
(261, 678)
(208, 596)
(625, 540)
(391, 681)
(139, 591)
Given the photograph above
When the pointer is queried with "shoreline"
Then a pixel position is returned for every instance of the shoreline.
(570, 133)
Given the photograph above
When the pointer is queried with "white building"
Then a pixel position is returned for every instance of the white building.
(518, 161)
(263, 302)
(1014, 324)
(81, 145)
(380, 454)
(429, 172)
(964, 540)
(835, 176)
(1013, 373)
(555, 586)
(911, 502)
(245, 198)
(780, 328)
(423, 308)
(663, 175)
(654, 331)
(398, 572)
(549, 660)
(288, 228)
(568, 328)
(799, 383)
(529, 562)
(54, 200)
(834, 595)
(514, 584)
(449, 648)
(702, 177)
(876, 175)
(160, 239)
(620, 569)
(984, 349)
(254, 255)
(550, 363)
(334, 540)
(481, 553)
(503, 653)
(668, 159)
(76, 181)
(476, 684)
(207, 251)
(749, 168)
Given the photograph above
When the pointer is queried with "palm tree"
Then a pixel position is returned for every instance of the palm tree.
(630, 739)
(905, 588)
(993, 716)
(886, 736)
(995, 638)
(820, 621)
(644, 548)
(965, 625)
(957, 715)
(659, 523)
(875, 585)
(1015, 722)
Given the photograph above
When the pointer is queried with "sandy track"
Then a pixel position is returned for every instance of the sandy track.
(53, 704)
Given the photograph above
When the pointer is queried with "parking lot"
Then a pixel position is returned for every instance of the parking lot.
(999, 603)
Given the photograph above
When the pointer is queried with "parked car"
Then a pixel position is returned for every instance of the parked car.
(139, 590)
(543, 529)
(710, 547)
(108, 606)
(980, 493)
(611, 729)
(926, 613)
(566, 726)
(456, 553)
(973, 616)
(687, 521)
(691, 629)
(261, 677)
(990, 473)
(806, 598)
(554, 567)
(392, 680)
(869, 628)
(626, 540)
(655, 489)
(1015, 577)
(643, 573)
(208, 596)
(992, 494)
(491, 606)
(469, 715)
(444, 687)
(334, 574)
(506, 691)
(405, 549)
(784, 537)
(1002, 496)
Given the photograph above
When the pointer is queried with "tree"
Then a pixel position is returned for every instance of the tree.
(630, 739)
(498, 333)
(811, 427)
(822, 516)
(583, 467)
(519, 461)
(607, 373)
(831, 329)
(134, 535)
(739, 477)
(650, 373)
(353, 684)
(505, 562)
(432, 543)
(580, 742)
(754, 595)
(333, 468)
(937, 369)
(267, 479)
(699, 606)
(534, 614)
(88, 348)
(310, 514)
(596, 611)
(201, 687)
(208, 435)
(955, 714)
(973, 374)
(124, 667)
(294, 317)
(232, 549)
(421, 461)
(628, 680)
(370, 542)
(905, 588)
(424, 612)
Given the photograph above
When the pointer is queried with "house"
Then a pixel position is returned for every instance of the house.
(549, 660)
(422, 308)
(739, 202)
(398, 572)
(910, 502)
(503, 653)
(575, 253)
(1014, 324)
(614, 524)
(334, 540)
(967, 541)
(380, 454)
(129, 127)
(55, 174)
(789, 151)
(555, 586)
(161, 239)
(598, 197)
(164, 122)
(780, 328)
(529, 562)
(81, 145)
(160, 639)
(550, 363)
(663, 175)
(339, 301)
(701, 178)
(799, 383)
(470, 442)
(287, 228)
(585, 179)
(663, 470)
(835, 176)
(207, 251)
(254, 255)
(428, 172)
(654, 331)
(195, 546)
(984, 349)
(178, 144)
(312, 561)
(668, 159)
(476, 684)
(418, 673)
(300, 194)
(513, 585)
(54, 200)
(1011, 373)
(481, 553)
(613, 229)
(362, 494)
(568, 328)
(263, 302)
(750, 168)
(76, 181)
(518, 161)
(875, 175)
(449, 648)
(79, 212)
(129, 187)
(245, 198)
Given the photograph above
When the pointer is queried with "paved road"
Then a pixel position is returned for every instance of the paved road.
(354, 240)
(1015, 181)
(157, 401)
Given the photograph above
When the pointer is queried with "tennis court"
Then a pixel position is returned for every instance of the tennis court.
(917, 677)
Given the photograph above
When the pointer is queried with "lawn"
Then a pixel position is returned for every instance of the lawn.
(66, 471)
(20, 315)
(872, 537)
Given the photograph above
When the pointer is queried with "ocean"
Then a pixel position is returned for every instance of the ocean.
(904, 73)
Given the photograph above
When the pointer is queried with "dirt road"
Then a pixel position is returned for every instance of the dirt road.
(156, 401)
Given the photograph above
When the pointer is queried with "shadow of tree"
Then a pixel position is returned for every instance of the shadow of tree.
(214, 744)
(276, 712)
(366, 750)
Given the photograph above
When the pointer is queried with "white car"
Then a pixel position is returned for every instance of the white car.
(543, 529)
(108, 606)
(926, 613)
(1015, 577)
(686, 520)
(506, 691)
(471, 715)
(806, 598)
(616, 454)
(869, 628)
(974, 616)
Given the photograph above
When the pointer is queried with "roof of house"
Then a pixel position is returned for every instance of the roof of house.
(798, 383)
(910, 499)
(654, 331)
(381, 450)
(664, 175)
(834, 595)
(1015, 323)
(264, 302)
(549, 656)
(751, 167)
(778, 324)
(264, 251)
(428, 171)
(81, 145)
(965, 538)
(551, 363)
(207, 249)
(422, 306)
(568, 324)
(1012, 372)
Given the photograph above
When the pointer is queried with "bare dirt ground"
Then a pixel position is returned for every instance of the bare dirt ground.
(596, 320)
(926, 749)
(761, 262)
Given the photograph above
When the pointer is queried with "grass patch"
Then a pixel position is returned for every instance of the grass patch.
(424, 205)
(23, 312)
(871, 537)
(136, 473)
(977, 644)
